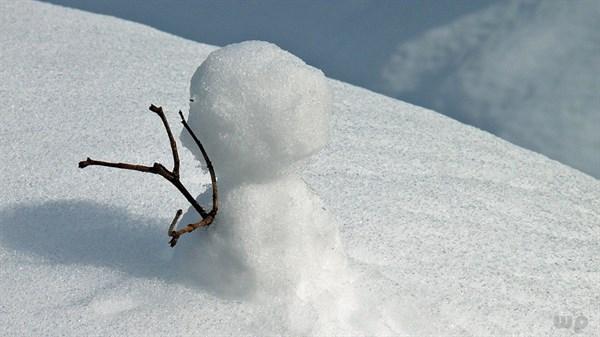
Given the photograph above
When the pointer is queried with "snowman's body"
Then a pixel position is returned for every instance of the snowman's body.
(273, 238)
(277, 245)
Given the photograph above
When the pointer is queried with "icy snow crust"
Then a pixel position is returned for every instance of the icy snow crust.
(447, 229)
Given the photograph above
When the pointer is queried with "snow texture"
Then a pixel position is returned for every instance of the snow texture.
(523, 70)
(445, 229)
(274, 243)
(259, 109)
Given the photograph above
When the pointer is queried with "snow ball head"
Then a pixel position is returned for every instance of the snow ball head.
(257, 109)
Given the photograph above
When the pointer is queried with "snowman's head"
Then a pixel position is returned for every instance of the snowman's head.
(257, 109)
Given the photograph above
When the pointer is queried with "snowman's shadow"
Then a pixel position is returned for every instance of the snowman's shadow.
(76, 232)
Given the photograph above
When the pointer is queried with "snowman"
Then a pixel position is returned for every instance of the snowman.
(260, 113)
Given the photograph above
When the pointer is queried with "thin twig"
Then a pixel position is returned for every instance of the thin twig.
(125, 166)
(209, 165)
(161, 114)
(190, 228)
(174, 222)
(173, 178)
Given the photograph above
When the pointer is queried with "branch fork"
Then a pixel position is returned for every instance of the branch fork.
(172, 176)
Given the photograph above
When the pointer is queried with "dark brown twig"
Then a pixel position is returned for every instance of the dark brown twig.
(209, 217)
(209, 165)
(174, 222)
(173, 178)
(161, 114)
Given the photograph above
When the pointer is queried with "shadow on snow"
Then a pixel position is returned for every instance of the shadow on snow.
(83, 232)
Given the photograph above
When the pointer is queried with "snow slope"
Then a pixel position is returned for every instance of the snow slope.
(524, 70)
(450, 230)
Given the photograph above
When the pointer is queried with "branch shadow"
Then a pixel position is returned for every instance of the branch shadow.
(87, 233)
(76, 232)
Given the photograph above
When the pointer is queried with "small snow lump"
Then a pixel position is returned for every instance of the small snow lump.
(257, 109)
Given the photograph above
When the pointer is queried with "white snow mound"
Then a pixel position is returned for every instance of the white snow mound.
(261, 109)
(446, 230)
(275, 244)
(258, 109)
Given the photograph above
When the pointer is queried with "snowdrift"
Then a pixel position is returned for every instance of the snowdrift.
(445, 229)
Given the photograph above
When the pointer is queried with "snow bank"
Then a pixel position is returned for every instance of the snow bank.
(523, 70)
(258, 109)
(447, 230)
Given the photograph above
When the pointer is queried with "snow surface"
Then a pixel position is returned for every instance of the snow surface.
(448, 230)
(523, 70)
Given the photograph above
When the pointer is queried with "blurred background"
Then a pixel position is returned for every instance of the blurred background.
(525, 70)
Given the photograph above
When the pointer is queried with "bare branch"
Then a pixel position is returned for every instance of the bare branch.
(173, 178)
(209, 165)
(174, 222)
(125, 166)
(190, 228)
(189, 197)
(161, 114)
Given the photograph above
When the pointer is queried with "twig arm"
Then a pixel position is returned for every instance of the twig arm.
(159, 111)
(173, 178)
(174, 222)
(209, 165)
(190, 228)
(177, 183)
(125, 166)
